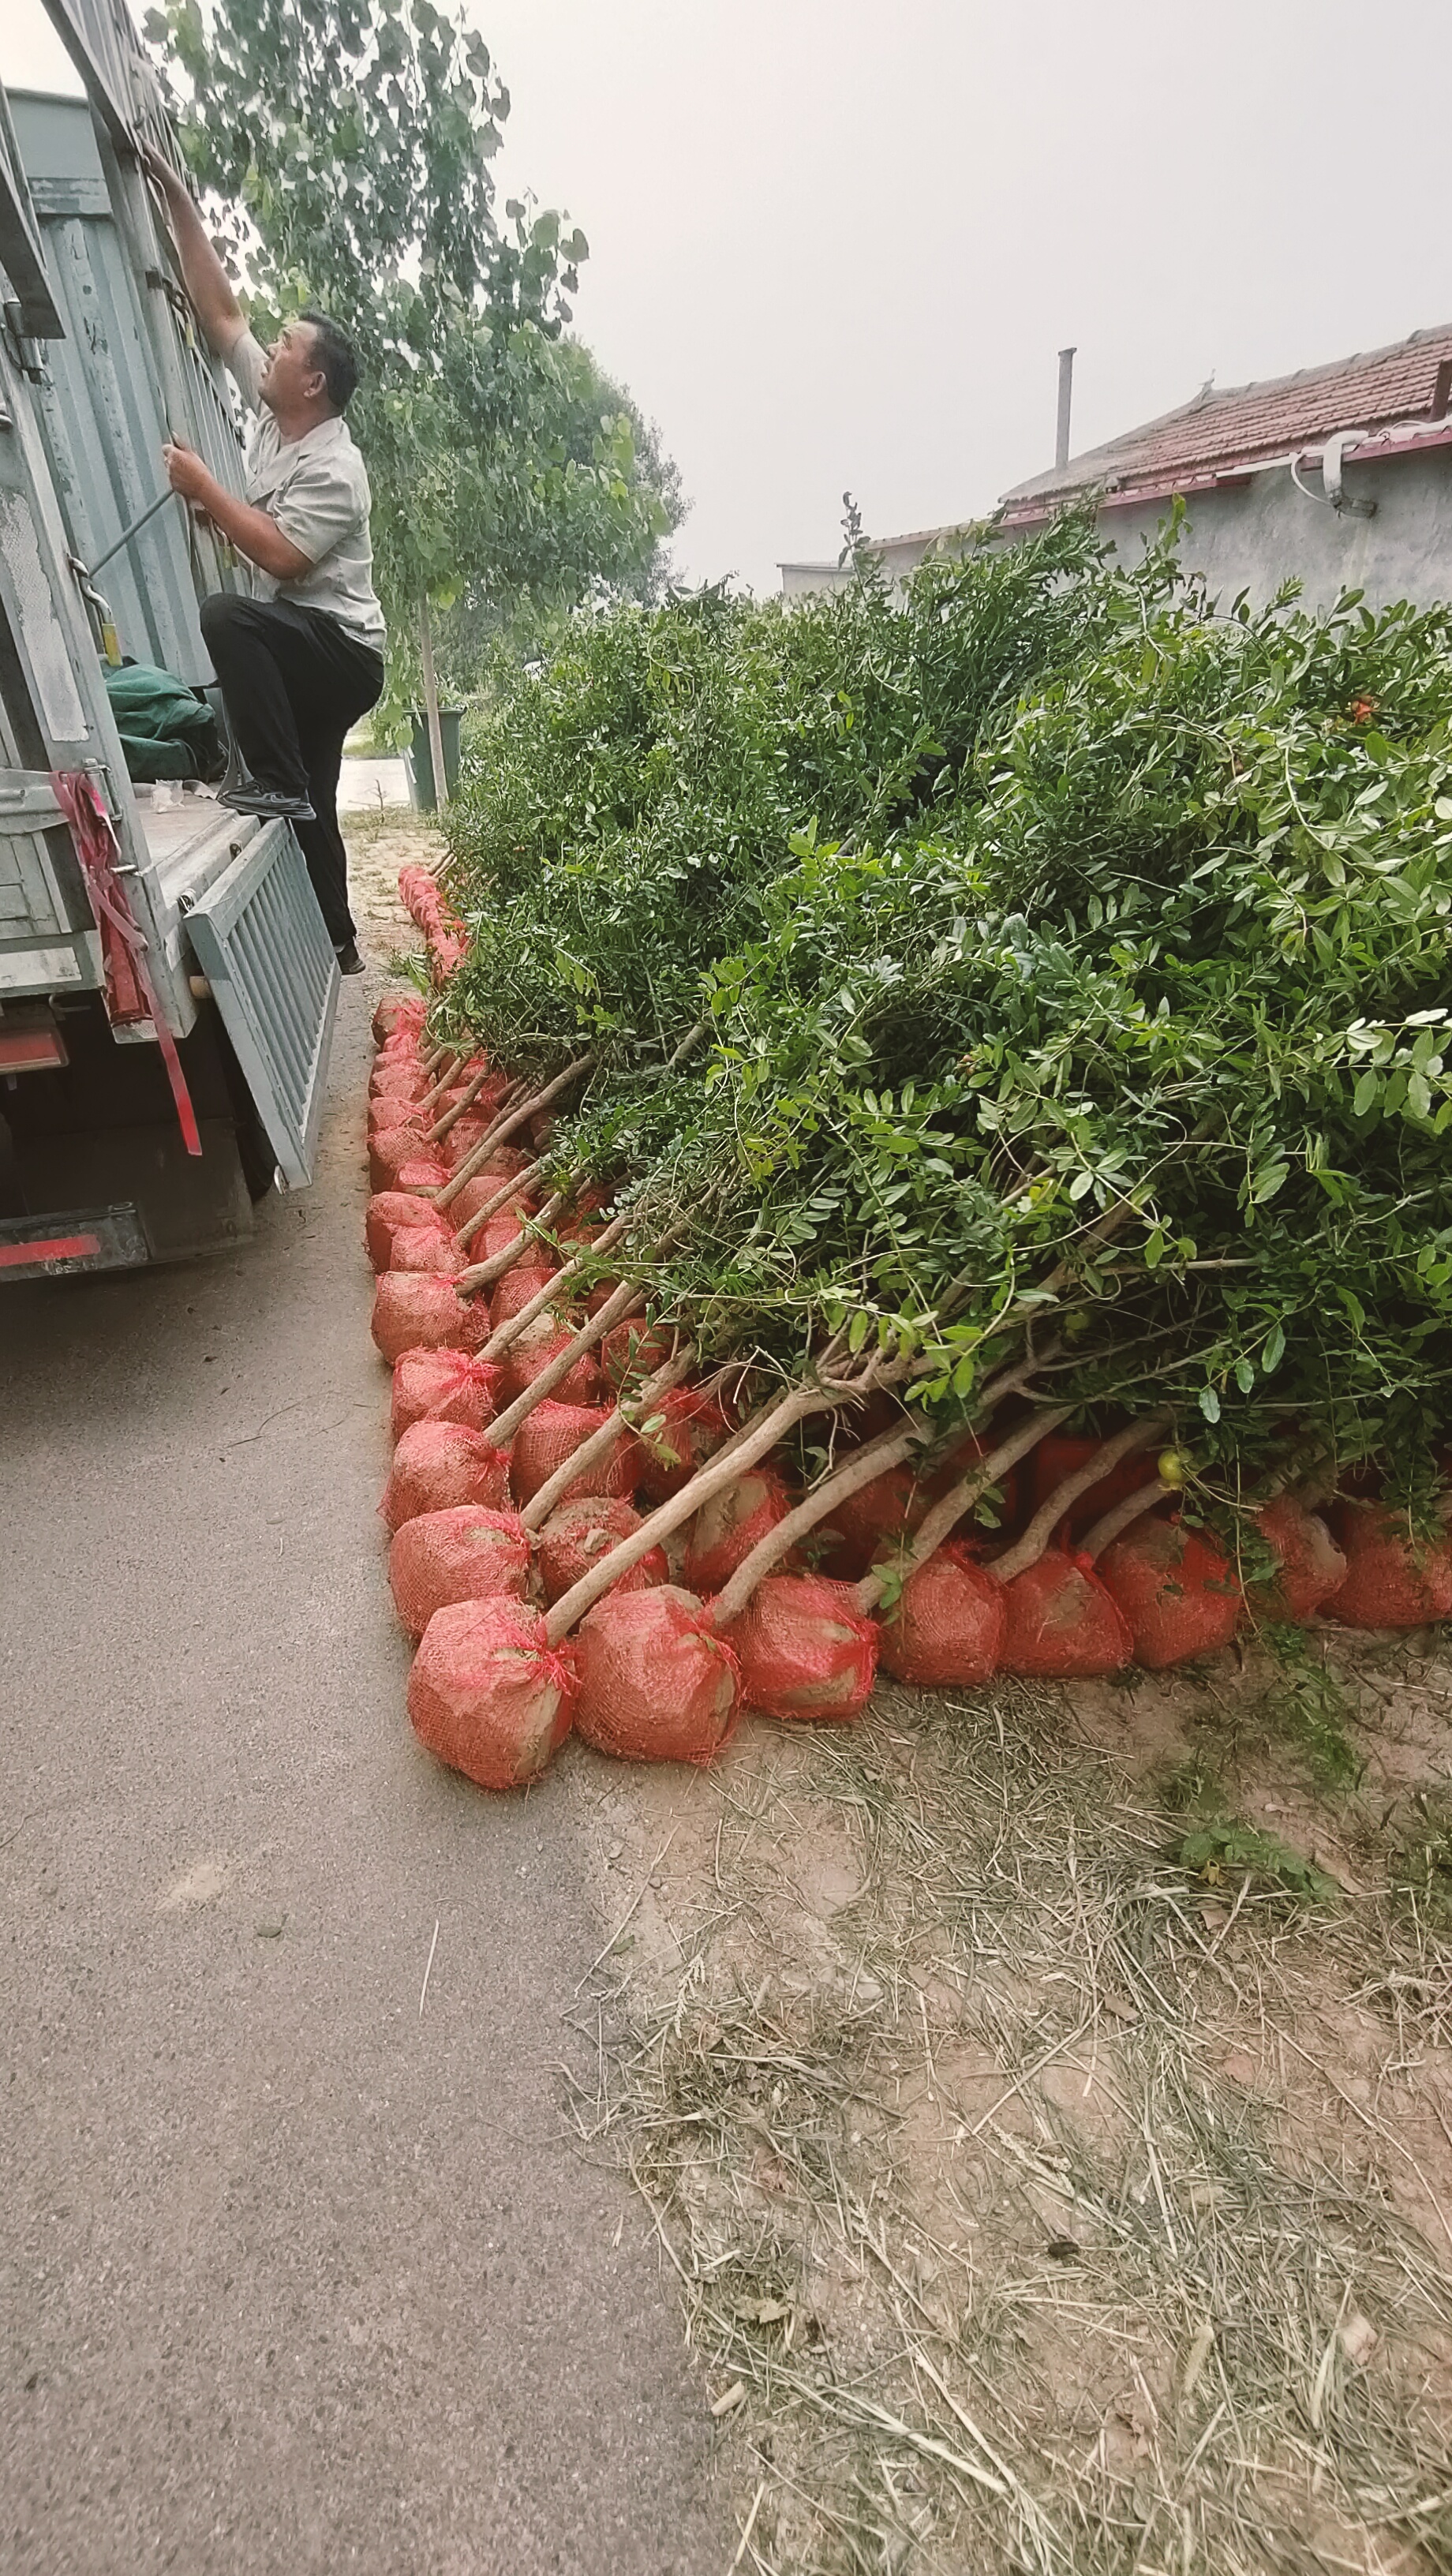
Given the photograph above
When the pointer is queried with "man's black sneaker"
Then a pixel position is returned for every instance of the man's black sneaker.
(270, 802)
(349, 961)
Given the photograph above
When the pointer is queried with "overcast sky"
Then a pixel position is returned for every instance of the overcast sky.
(838, 246)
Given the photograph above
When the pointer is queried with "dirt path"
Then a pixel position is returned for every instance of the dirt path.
(301, 2273)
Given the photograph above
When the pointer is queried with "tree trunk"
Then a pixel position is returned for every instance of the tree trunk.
(431, 704)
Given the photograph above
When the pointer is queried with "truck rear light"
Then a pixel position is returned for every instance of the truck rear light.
(47, 1247)
(30, 1041)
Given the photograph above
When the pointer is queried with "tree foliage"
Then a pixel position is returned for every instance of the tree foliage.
(1075, 966)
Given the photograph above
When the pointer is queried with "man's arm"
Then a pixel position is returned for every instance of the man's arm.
(253, 532)
(206, 280)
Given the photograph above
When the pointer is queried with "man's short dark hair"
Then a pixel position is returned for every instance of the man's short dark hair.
(336, 356)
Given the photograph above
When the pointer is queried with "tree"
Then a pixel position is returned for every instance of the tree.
(347, 152)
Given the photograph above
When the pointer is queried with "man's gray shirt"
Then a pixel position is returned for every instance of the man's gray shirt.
(316, 488)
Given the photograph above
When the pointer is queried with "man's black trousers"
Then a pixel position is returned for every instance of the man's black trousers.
(293, 681)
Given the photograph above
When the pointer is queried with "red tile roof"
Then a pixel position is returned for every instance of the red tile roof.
(1245, 424)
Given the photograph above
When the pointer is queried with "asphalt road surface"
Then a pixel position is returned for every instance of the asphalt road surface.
(295, 2278)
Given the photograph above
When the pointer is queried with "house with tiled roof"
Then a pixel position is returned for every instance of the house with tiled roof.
(1339, 477)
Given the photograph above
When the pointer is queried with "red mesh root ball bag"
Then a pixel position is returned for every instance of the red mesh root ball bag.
(877, 1515)
(1392, 1579)
(677, 1436)
(1062, 1454)
(726, 1529)
(386, 1211)
(426, 1248)
(656, 1682)
(426, 1172)
(805, 1649)
(416, 1310)
(398, 1015)
(438, 1465)
(536, 1349)
(946, 1629)
(1060, 1624)
(1309, 1564)
(466, 1554)
(578, 1534)
(1177, 1592)
(443, 1386)
(477, 1193)
(551, 1434)
(400, 1080)
(519, 1287)
(488, 1695)
(389, 1151)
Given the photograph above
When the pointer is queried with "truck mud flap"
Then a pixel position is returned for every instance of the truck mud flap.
(51, 1246)
(260, 940)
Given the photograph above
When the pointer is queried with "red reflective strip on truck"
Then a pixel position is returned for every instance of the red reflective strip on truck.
(60, 1247)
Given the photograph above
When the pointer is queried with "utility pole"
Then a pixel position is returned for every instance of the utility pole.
(1066, 397)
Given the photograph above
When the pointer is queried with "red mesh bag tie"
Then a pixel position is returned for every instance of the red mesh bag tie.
(1060, 1624)
(463, 1554)
(726, 1529)
(946, 1629)
(386, 1211)
(878, 1515)
(1309, 1564)
(578, 1534)
(805, 1648)
(438, 1465)
(416, 1310)
(488, 1695)
(519, 1287)
(656, 1682)
(1178, 1594)
(398, 1015)
(676, 1437)
(443, 1386)
(551, 1434)
(1392, 1580)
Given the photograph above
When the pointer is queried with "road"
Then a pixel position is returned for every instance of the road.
(295, 2276)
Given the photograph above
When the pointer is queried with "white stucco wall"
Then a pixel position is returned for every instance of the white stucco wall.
(1268, 532)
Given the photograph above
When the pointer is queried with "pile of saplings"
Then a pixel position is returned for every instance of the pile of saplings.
(931, 1147)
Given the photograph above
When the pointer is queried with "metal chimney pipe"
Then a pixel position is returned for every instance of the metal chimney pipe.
(1066, 397)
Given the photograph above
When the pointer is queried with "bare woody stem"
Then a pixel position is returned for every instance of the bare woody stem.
(1122, 1515)
(887, 1451)
(592, 1452)
(506, 1125)
(626, 1301)
(960, 1498)
(1027, 1550)
(444, 1076)
(554, 1287)
(478, 1155)
(720, 1471)
(515, 1188)
(482, 1274)
(469, 1095)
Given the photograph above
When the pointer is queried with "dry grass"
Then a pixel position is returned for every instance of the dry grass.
(1034, 2204)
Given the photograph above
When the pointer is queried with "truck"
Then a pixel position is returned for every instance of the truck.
(167, 983)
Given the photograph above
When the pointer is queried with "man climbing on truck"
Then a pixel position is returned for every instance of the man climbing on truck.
(301, 659)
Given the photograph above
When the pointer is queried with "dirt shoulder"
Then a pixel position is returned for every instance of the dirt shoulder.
(1044, 2099)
